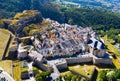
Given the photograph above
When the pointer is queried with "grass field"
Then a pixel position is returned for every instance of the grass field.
(7, 66)
(85, 70)
(17, 71)
(4, 36)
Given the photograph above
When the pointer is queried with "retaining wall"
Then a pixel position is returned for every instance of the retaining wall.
(102, 60)
(79, 60)
(62, 66)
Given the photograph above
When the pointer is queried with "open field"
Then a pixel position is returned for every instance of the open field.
(7, 66)
(85, 70)
(4, 36)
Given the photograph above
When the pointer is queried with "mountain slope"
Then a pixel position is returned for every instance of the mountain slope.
(106, 4)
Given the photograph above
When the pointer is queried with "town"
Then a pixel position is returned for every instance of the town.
(64, 44)
(55, 49)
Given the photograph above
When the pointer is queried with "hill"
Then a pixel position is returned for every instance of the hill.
(9, 8)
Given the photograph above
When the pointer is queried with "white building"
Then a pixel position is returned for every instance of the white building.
(22, 53)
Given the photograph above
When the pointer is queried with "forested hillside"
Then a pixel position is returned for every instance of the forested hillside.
(8, 8)
(98, 18)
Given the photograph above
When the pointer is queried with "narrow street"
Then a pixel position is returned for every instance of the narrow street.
(56, 72)
(6, 75)
(30, 71)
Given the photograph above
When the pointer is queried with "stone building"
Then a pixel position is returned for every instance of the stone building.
(68, 41)
(22, 53)
(61, 64)
(37, 58)
(34, 55)
(96, 47)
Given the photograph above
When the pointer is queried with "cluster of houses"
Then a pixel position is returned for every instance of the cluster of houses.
(67, 40)
(65, 44)
(63, 40)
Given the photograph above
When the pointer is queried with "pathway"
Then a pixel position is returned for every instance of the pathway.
(56, 72)
(30, 71)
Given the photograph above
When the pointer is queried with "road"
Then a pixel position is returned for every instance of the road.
(6, 75)
(30, 71)
(56, 72)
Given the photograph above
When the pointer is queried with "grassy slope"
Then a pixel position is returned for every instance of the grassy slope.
(4, 36)
(110, 47)
(5, 64)
(113, 50)
(84, 69)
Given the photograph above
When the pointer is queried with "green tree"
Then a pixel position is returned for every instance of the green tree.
(59, 79)
(42, 76)
(38, 78)
(102, 76)
(111, 76)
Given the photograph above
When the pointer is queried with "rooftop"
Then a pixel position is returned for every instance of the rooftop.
(36, 55)
(96, 43)
(64, 39)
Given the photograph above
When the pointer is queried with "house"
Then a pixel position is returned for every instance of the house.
(96, 47)
(66, 41)
(22, 53)
(34, 55)
(61, 64)
(38, 60)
